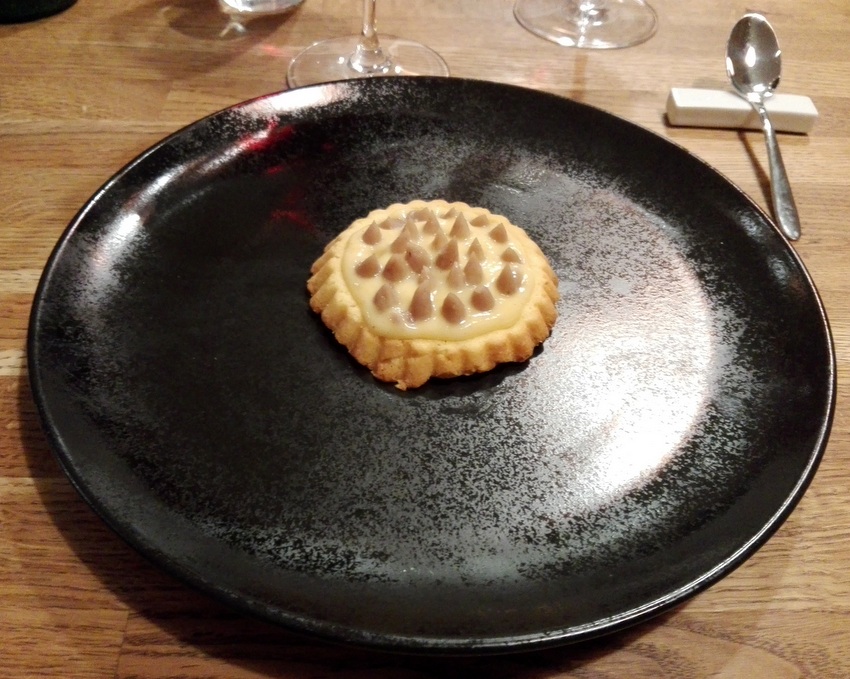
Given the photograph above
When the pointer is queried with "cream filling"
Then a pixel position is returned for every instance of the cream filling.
(432, 288)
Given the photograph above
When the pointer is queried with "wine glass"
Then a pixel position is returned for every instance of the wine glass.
(258, 7)
(599, 24)
(363, 56)
(238, 11)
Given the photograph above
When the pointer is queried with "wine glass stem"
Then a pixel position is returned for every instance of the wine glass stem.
(368, 58)
(587, 12)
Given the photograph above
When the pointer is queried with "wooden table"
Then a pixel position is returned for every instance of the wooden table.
(83, 92)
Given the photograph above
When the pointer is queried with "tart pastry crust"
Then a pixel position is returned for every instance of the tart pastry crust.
(434, 289)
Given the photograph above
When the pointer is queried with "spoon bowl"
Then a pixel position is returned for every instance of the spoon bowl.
(754, 65)
(753, 58)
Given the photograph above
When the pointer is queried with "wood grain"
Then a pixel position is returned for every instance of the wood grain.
(83, 92)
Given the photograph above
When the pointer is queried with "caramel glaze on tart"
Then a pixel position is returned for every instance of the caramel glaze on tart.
(434, 289)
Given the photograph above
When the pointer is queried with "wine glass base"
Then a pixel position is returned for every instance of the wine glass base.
(606, 24)
(257, 7)
(330, 60)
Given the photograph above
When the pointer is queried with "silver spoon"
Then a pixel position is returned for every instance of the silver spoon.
(754, 65)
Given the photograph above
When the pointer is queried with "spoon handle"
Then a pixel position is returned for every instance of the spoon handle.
(784, 207)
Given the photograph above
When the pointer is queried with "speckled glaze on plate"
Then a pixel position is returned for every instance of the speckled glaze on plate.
(660, 435)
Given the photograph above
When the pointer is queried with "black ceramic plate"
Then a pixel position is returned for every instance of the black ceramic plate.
(662, 433)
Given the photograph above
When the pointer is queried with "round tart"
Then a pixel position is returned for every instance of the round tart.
(434, 289)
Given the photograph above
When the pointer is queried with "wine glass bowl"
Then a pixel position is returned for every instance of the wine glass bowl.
(599, 24)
